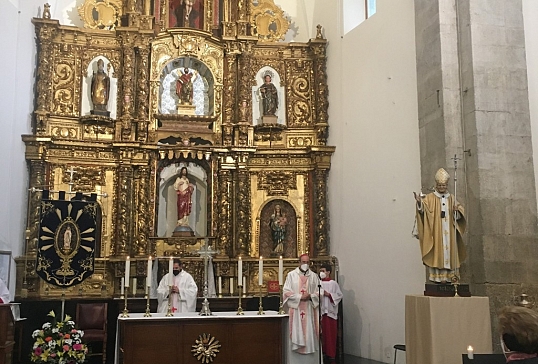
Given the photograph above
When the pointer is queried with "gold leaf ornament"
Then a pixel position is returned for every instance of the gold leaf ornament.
(205, 348)
(269, 21)
(100, 14)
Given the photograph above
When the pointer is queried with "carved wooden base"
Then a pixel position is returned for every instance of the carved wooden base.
(446, 290)
(183, 231)
(186, 109)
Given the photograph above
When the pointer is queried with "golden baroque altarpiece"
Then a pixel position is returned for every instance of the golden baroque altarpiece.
(148, 89)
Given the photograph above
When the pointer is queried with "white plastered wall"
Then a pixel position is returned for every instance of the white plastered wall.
(373, 124)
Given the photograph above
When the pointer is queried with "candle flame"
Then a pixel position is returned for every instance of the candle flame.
(470, 348)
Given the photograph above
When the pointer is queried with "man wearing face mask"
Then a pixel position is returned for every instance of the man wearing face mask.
(332, 295)
(302, 299)
(184, 290)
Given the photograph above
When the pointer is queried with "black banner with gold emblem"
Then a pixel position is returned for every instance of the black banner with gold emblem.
(68, 234)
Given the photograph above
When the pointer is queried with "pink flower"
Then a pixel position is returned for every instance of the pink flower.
(77, 346)
(74, 330)
(38, 351)
(66, 347)
(53, 355)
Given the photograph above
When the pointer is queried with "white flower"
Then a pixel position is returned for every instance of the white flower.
(35, 346)
(71, 323)
(52, 343)
(46, 325)
(68, 341)
(81, 333)
(35, 334)
(55, 330)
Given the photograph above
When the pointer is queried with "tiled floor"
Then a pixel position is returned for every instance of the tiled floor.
(350, 359)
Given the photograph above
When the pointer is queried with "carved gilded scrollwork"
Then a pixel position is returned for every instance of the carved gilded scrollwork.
(224, 229)
(322, 220)
(142, 93)
(103, 14)
(269, 22)
(37, 180)
(86, 177)
(299, 93)
(142, 211)
(277, 183)
(318, 47)
(124, 198)
(243, 212)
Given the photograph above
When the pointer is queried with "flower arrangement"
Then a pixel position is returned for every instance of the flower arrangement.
(58, 342)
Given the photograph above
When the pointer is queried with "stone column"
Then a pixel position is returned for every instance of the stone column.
(473, 97)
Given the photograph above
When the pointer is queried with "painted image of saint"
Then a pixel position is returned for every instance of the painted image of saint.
(184, 190)
(186, 14)
(68, 234)
(278, 224)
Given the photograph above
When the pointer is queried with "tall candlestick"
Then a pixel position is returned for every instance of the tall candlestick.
(260, 272)
(127, 271)
(170, 271)
(239, 269)
(231, 286)
(220, 285)
(150, 269)
(280, 270)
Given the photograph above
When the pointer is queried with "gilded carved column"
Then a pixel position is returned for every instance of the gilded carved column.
(142, 211)
(321, 91)
(230, 83)
(127, 85)
(45, 32)
(124, 210)
(142, 94)
(37, 180)
(321, 241)
(243, 212)
(224, 227)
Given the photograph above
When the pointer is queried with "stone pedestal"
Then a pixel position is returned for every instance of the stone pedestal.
(186, 110)
(269, 119)
(183, 231)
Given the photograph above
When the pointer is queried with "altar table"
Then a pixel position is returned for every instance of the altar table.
(244, 339)
(439, 329)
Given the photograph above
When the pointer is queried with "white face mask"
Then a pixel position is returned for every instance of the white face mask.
(304, 267)
(322, 275)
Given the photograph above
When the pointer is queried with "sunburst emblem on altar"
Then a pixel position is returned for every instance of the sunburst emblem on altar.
(206, 348)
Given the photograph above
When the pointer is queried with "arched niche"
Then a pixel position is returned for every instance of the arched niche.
(86, 96)
(203, 86)
(167, 199)
(273, 224)
(257, 110)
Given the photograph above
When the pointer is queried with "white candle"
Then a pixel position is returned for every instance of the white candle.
(231, 286)
(244, 283)
(280, 270)
(127, 271)
(150, 268)
(470, 352)
(239, 270)
(134, 285)
(260, 272)
(220, 285)
(122, 286)
(170, 271)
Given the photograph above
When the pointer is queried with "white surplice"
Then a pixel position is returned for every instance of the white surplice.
(329, 305)
(304, 319)
(4, 292)
(185, 300)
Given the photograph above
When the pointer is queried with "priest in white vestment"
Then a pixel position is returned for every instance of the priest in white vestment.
(184, 290)
(301, 296)
(4, 292)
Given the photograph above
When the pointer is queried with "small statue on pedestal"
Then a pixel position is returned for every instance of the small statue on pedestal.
(269, 98)
(100, 90)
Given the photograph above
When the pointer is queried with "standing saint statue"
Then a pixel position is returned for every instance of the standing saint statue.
(184, 191)
(269, 96)
(441, 224)
(100, 90)
(184, 89)
(278, 224)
